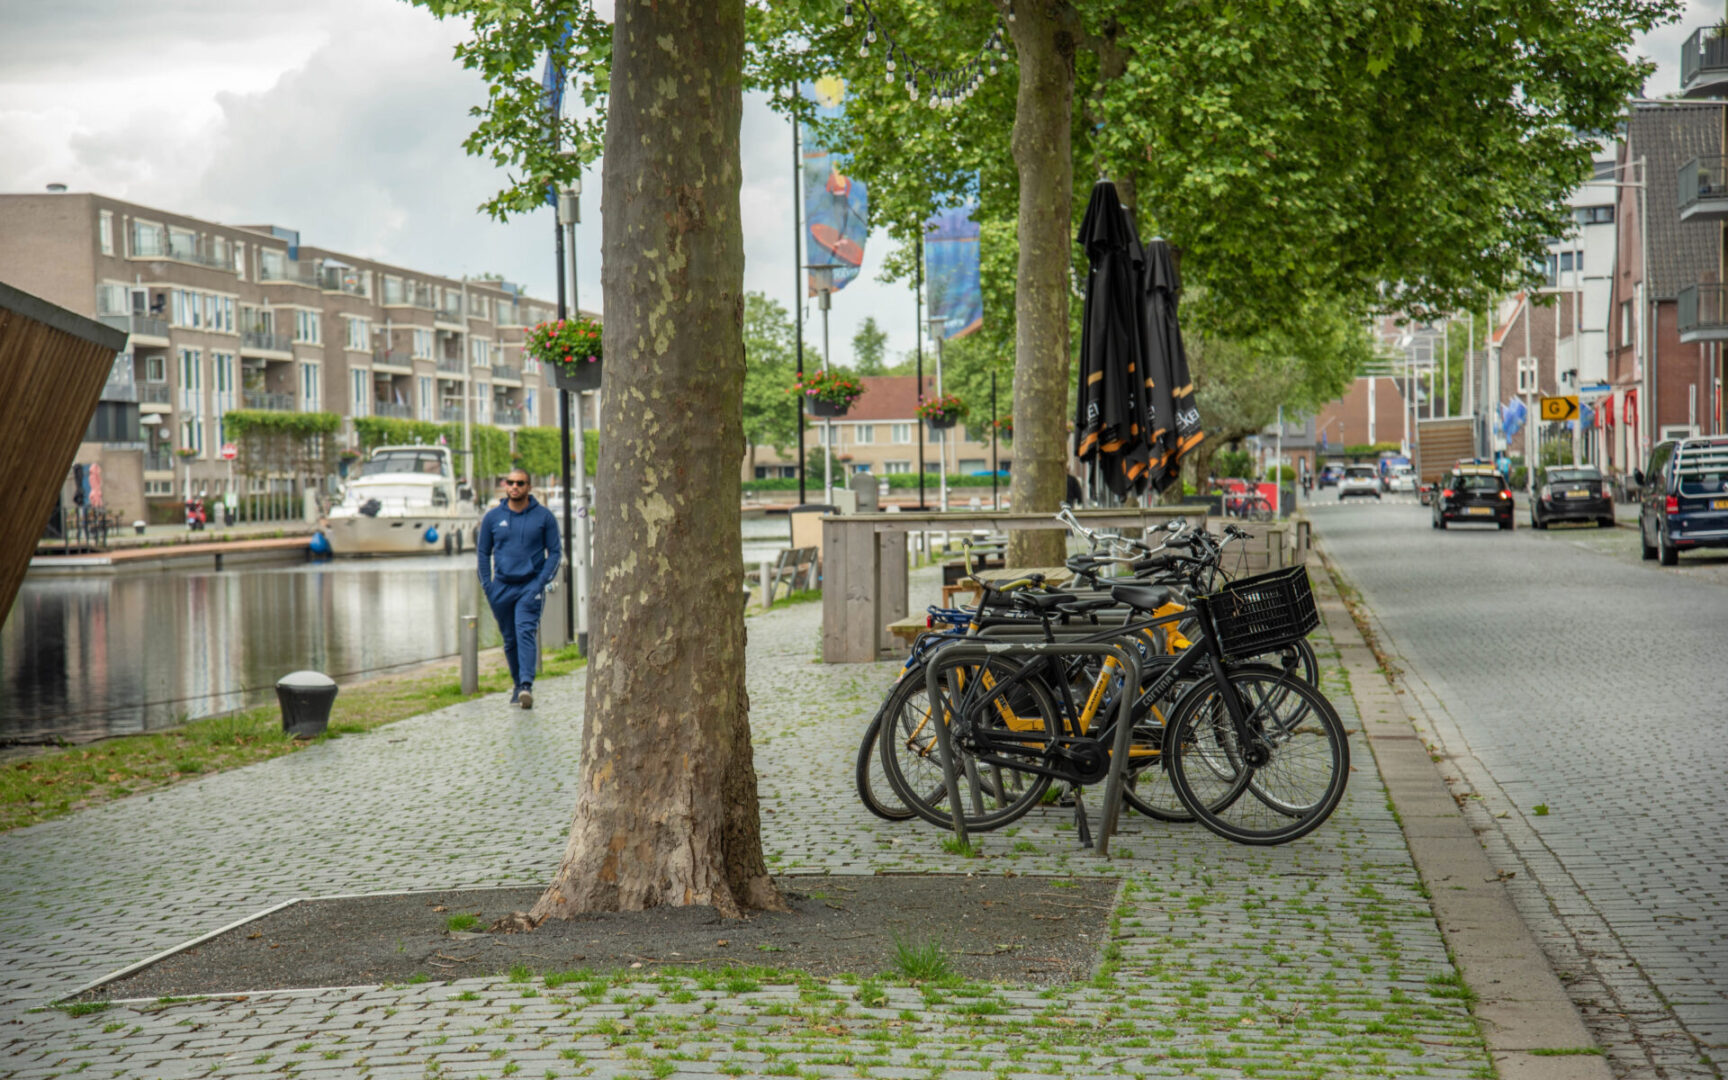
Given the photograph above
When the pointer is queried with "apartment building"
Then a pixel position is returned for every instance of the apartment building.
(226, 317)
(879, 435)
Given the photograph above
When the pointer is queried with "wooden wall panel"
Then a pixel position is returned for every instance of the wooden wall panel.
(53, 365)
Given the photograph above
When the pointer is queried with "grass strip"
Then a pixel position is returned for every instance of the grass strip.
(66, 779)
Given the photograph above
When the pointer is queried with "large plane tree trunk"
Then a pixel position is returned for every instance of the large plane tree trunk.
(1045, 34)
(666, 810)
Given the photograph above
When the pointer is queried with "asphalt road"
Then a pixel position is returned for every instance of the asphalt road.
(1576, 697)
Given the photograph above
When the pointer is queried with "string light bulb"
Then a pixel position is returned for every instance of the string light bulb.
(937, 87)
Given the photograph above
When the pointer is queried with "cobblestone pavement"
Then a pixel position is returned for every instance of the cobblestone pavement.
(1316, 959)
(1578, 697)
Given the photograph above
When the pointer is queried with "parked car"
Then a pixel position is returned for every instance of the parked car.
(1683, 501)
(1330, 475)
(1475, 494)
(1359, 480)
(1567, 493)
(1403, 478)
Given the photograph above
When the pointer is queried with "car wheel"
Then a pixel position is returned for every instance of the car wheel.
(1666, 554)
(1506, 526)
(1605, 523)
(1439, 522)
(1644, 548)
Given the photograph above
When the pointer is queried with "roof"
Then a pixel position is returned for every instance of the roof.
(1668, 136)
(890, 398)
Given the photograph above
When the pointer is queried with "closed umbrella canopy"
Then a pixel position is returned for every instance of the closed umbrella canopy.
(1110, 419)
(1173, 418)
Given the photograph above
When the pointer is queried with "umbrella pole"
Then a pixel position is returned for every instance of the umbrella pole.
(995, 467)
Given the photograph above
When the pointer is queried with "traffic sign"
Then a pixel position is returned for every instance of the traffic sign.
(230, 451)
(1560, 408)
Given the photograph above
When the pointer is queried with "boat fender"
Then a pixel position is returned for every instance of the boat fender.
(432, 534)
(320, 544)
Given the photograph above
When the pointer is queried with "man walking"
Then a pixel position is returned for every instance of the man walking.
(519, 550)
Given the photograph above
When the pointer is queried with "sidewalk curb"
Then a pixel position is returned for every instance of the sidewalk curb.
(1521, 1007)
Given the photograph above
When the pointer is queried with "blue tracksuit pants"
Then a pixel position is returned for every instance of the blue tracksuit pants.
(517, 609)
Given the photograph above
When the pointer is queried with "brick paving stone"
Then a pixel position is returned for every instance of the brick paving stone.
(1555, 669)
(1319, 958)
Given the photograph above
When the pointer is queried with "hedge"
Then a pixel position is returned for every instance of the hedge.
(538, 450)
(896, 482)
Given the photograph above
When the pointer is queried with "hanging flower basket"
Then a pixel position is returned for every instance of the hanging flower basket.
(1005, 429)
(571, 348)
(827, 394)
(942, 411)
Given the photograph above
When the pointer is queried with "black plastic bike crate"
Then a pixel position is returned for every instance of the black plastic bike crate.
(1257, 614)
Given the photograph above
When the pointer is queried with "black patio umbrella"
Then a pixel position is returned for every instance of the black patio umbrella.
(1110, 429)
(1174, 420)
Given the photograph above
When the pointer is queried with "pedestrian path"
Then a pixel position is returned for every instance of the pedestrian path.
(1319, 958)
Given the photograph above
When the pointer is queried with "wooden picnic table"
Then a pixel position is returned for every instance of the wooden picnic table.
(912, 627)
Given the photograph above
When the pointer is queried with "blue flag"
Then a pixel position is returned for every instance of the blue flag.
(552, 82)
(836, 207)
(951, 262)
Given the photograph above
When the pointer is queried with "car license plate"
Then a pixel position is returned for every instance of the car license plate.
(1719, 504)
(1479, 510)
(1577, 494)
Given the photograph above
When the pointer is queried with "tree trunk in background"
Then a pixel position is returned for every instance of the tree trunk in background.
(1045, 41)
(666, 810)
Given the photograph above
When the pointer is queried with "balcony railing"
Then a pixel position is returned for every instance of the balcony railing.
(450, 414)
(292, 271)
(259, 399)
(1703, 61)
(391, 408)
(392, 358)
(342, 279)
(155, 394)
(1704, 188)
(139, 325)
(265, 341)
(506, 415)
(451, 364)
(189, 253)
(1703, 311)
(506, 372)
(158, 461)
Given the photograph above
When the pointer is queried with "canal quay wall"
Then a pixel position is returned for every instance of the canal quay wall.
(214, 555)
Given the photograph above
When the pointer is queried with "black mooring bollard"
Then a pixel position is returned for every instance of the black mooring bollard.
(306, 697)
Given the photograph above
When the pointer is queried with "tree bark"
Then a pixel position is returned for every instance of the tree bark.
(1045, 40)
(666, 810)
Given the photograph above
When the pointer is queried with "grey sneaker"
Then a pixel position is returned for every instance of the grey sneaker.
(527, 697)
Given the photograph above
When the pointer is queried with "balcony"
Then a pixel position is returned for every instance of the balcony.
(158, 461)
(155, 394)
(1703, 313)
(507, 416)
(407, 294)
(343, 279)
(451, 365)
(187, 252)
(1704, 189)
(392, 409)
(505, 373)
(263, 341)
(450, 414)
(289, 272)
(259, 399)
(140, 326)
(1704, 63)
(392, 358)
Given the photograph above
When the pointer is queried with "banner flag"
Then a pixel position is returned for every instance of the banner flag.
(836, 207)
(951, 264)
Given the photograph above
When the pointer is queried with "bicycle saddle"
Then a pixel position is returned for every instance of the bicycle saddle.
(1141, 597)
(1042, 602)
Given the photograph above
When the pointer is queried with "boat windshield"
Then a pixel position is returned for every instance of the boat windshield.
(421, 462)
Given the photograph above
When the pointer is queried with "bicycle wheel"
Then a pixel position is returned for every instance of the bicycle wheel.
(991, 795)
(1278, 784)
(874, 790)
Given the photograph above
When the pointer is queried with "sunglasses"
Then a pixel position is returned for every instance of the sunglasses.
(515, 483)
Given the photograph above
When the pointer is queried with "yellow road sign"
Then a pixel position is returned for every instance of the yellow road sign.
(1560, 408)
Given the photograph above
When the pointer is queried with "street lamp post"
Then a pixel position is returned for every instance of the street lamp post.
(575, 488)
(936, 325)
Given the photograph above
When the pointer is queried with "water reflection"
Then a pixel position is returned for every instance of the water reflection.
(84, 657)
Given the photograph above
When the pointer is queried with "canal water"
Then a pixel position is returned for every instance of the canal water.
(86, 657)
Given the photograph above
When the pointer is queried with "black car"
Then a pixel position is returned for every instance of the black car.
(1478, 495)
(1571, 493)
(1684, 497)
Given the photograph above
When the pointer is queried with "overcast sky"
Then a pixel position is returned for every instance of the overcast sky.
(344, 119)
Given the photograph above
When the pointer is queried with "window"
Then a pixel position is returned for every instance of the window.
(309, 386)
(225, 315)
(306, 327)
(148, 239)
(863, 433)
(1594, 215)
(423, 344)
(481, 350)
(182, 244)
(222, 372)
(426, 398)
(896, 467)
(191, 371)
(968, 466)
(359, 334)
(394, 293)
(481, 307)
(1562, 265)
(1625, 323)
(105, 230)
(272, 263)
(156, 368)
(240, 259)
(900, 433)
(361, 388)
(113, 300)
(219, 249)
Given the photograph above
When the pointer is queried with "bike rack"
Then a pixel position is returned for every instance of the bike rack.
(1122, 648)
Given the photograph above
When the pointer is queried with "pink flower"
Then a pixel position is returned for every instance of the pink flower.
(592, 359)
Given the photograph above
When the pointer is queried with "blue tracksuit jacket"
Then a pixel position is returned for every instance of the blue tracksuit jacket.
(518, 548)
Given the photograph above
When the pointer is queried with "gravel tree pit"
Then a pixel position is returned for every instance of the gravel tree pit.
(1030, 930)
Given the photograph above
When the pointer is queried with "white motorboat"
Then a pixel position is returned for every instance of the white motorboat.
(404, 501)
